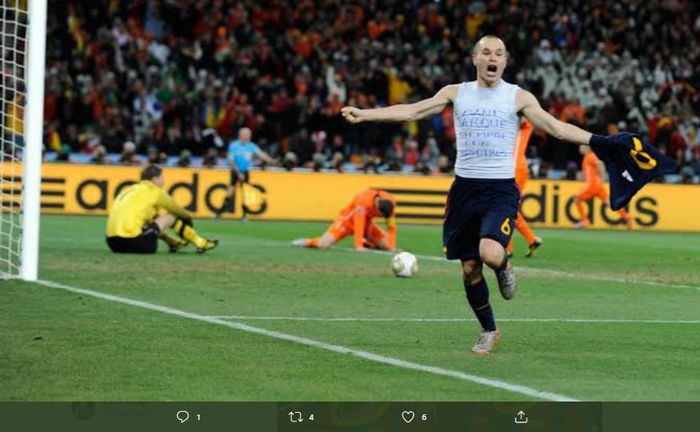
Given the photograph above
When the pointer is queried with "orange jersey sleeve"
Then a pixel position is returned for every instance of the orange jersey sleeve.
(359, 223)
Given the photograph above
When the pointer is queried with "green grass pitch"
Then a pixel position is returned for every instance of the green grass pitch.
(598, 316)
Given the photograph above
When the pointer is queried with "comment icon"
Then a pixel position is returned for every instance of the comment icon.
(183, 416)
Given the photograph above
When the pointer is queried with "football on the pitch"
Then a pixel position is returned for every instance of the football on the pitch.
(404, 264)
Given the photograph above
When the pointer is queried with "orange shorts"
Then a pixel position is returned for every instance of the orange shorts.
(593, 192)
(341, 228)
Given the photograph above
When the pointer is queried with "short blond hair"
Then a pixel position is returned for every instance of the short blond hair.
(490, 36)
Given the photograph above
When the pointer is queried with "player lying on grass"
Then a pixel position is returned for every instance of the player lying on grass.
(356, 220)
(483, 201)
(144, 212)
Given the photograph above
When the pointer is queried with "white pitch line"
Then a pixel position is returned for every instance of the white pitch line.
(554, 273)
(513, 388)
(438, 320)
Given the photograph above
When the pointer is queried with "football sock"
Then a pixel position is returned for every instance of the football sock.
(226, 205)
(478, 298)
(187, 232)
(624, 215)
(311, 242)
(524, 229)
(581, 212)
(172, 240)
(504, 264)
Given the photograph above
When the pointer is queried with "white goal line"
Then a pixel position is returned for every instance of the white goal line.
(366, 355)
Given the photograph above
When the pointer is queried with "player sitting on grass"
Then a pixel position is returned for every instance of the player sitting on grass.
(356, 219)
(135, 222)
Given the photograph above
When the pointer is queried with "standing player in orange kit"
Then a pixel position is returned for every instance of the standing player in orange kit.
(356, 220)
(593, 170)
(521, 176)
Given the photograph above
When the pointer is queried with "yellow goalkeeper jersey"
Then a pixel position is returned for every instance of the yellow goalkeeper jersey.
(138, 205)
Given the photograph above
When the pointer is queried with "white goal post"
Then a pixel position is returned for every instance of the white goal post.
(22, 51)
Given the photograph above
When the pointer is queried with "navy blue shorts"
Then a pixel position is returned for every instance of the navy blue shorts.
(236, 176)
(476, 209)
(145, 243)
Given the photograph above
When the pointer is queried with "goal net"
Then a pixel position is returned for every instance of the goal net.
(22, 44)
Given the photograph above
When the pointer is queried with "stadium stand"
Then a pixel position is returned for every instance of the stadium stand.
(175, 79)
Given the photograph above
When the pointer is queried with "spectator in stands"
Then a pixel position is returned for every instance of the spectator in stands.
(573, 112)
(185, 159)
(337, 162)
(211, 158)
(13, 122)
(128, 156)
(335, 85)
(156, 157)
(444, 165)
(290, 161)
(99, 156)
(318, 162)
(430, 153)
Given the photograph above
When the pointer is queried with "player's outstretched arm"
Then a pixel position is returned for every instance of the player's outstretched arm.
(358, 223)
(529, 106)
(265, 157)
(391, 234)
(167, 203)
(630, 162)
(404, 112)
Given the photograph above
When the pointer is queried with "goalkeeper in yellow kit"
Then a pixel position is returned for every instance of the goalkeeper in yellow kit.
(144, 212)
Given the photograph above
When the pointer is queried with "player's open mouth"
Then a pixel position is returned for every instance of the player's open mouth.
(491, 68)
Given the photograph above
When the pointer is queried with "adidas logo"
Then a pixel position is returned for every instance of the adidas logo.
(627, 176)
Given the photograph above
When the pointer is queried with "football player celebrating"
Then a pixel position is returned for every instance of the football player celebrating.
(483, 201)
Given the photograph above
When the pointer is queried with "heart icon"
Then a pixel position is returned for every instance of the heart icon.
(407, 416)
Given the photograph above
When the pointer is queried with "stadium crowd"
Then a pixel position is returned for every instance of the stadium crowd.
(154, 79)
